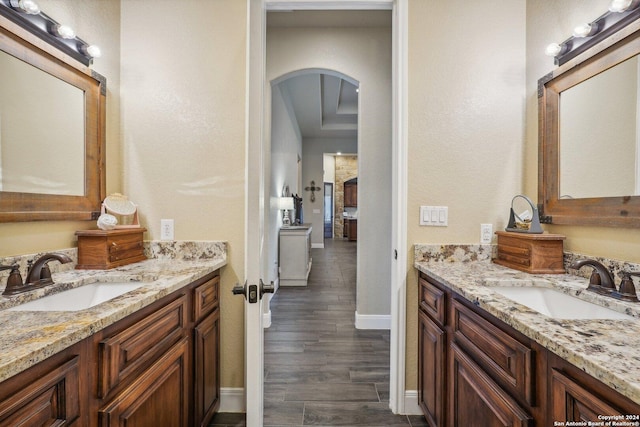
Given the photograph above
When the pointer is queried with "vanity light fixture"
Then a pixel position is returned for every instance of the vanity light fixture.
(620, 14)
(27, 6)
(27, 14)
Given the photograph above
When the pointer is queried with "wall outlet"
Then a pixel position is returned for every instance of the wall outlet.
(486, 233)
(166, 229)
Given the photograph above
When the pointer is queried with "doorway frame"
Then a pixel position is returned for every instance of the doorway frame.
(400, 400)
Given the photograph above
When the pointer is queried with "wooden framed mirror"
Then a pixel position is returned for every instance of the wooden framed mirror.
(52, 131)
(589, 135)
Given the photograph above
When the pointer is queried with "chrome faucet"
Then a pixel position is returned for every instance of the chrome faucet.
(601, 280)
(38, 274)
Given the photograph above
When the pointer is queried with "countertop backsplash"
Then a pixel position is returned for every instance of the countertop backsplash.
(182, 250)
(468, 253)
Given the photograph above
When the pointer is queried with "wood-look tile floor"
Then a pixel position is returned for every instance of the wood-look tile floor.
(319, 369)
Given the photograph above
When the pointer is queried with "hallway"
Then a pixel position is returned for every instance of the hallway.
(320, 370)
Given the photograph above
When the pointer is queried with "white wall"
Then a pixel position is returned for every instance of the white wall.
(363, 54)
(286, 148)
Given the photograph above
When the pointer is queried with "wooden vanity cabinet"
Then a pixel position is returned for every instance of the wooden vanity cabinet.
(495, 376)
(469, 367)
(159, 366)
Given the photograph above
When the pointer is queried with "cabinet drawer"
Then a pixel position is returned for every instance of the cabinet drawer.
(131, 350)
(502, 356)
(205, 298)
(433, 300)
(118, 251)
(52, 399)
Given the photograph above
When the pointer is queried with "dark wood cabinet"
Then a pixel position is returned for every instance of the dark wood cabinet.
(48, 394)
(125, 352)
(157, 366)
(431, 370)
(476, 400)
(352, 229)
(206, 342)
(472, 372)
(351, 193)
(158, 397)
(576, 396)
(493, 375)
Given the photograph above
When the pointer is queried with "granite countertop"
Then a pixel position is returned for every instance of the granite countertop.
(29, 337)
(606, 349)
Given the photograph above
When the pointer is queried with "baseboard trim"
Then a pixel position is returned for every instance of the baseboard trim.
(231, 399)
(411, 406)
(373, 321)
(266, 319)
(317, 246)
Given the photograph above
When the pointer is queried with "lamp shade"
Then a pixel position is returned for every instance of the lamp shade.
(285, 203)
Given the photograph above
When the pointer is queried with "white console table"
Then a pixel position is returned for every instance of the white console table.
(295, 255)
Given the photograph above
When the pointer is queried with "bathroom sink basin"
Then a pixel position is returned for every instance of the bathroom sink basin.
(558, 305)
(80, 298)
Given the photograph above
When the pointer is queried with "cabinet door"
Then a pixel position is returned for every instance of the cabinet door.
(572, 402)
(351, 195)
(476, 400)
(46, 395)
(431, 370)
(158, 397)
(207, 368)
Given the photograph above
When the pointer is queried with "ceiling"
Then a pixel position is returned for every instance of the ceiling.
(325, 105)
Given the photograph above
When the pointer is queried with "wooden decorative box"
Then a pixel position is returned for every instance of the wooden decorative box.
(105, 249)
(533, 253)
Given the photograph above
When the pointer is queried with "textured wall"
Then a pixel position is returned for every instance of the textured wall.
(466, 124)
(183, 85)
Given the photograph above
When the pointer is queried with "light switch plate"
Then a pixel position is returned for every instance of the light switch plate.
(434, 216)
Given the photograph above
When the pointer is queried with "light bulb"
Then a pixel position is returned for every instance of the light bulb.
(553, 49)
(584, 30)
(64, 31)
(619, 5)
(29, 6)
(94, 51)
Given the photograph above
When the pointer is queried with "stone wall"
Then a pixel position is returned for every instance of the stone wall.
(346, 169)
